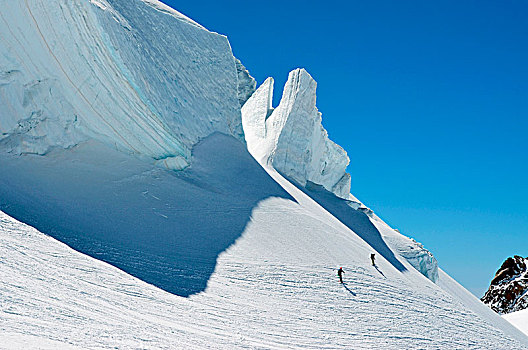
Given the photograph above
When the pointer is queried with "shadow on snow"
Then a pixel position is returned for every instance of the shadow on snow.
(355, 220)
(348, 289)
(164, 227)
(377, 268)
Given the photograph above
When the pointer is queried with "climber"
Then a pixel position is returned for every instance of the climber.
(372, 257)
(340, 273)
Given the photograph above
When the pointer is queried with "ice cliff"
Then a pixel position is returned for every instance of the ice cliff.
(291, 137)
(416, 254)
(137, 75)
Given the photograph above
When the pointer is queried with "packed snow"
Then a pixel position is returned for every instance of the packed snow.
(291, 137)
(275, 287)
(519, 319)
(164, 227)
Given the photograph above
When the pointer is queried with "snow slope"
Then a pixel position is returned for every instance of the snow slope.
(519, 319)
(133, 74)
(275, 287)
(292, 140)
(164, 227)
(100, 101)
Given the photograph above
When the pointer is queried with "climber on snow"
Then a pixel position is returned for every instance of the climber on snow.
(340, 273)
(372, 257)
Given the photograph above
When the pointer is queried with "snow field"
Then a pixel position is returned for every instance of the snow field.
(519, 319)
(275, 288)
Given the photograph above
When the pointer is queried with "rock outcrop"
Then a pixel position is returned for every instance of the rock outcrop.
(508, 291)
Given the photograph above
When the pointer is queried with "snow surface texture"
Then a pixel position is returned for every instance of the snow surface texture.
(508, 291)
(136, 75)
(291, 137)
(519, 319)
(380, 236)
(274, 288)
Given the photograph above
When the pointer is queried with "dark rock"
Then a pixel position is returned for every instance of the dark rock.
(508, 290)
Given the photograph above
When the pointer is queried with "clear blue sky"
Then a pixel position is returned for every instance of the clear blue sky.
(429, 99)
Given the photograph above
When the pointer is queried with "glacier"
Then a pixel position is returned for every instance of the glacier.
(136, 75)
(291, 137)
(275, 288)
(152, 197)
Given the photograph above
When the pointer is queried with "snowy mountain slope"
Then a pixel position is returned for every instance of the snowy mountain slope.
(415, 253)
(461, 294)
(274, 288)
(519, 319)
(135, 75)
(164, 227)
(92, 93)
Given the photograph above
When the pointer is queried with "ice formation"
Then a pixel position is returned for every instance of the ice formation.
(135, 74)
(291, 137)
(246, 83)
(414, 252)
(420, 258)
(292, 140)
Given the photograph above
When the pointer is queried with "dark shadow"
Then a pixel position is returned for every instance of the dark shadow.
(350, 291)
(164, 227)
(355, 220)
(376, 267)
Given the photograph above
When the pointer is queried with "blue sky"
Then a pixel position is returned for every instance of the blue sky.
(429, 99)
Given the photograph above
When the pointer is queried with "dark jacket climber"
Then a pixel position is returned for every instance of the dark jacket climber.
(372, 257)
(340, 273)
